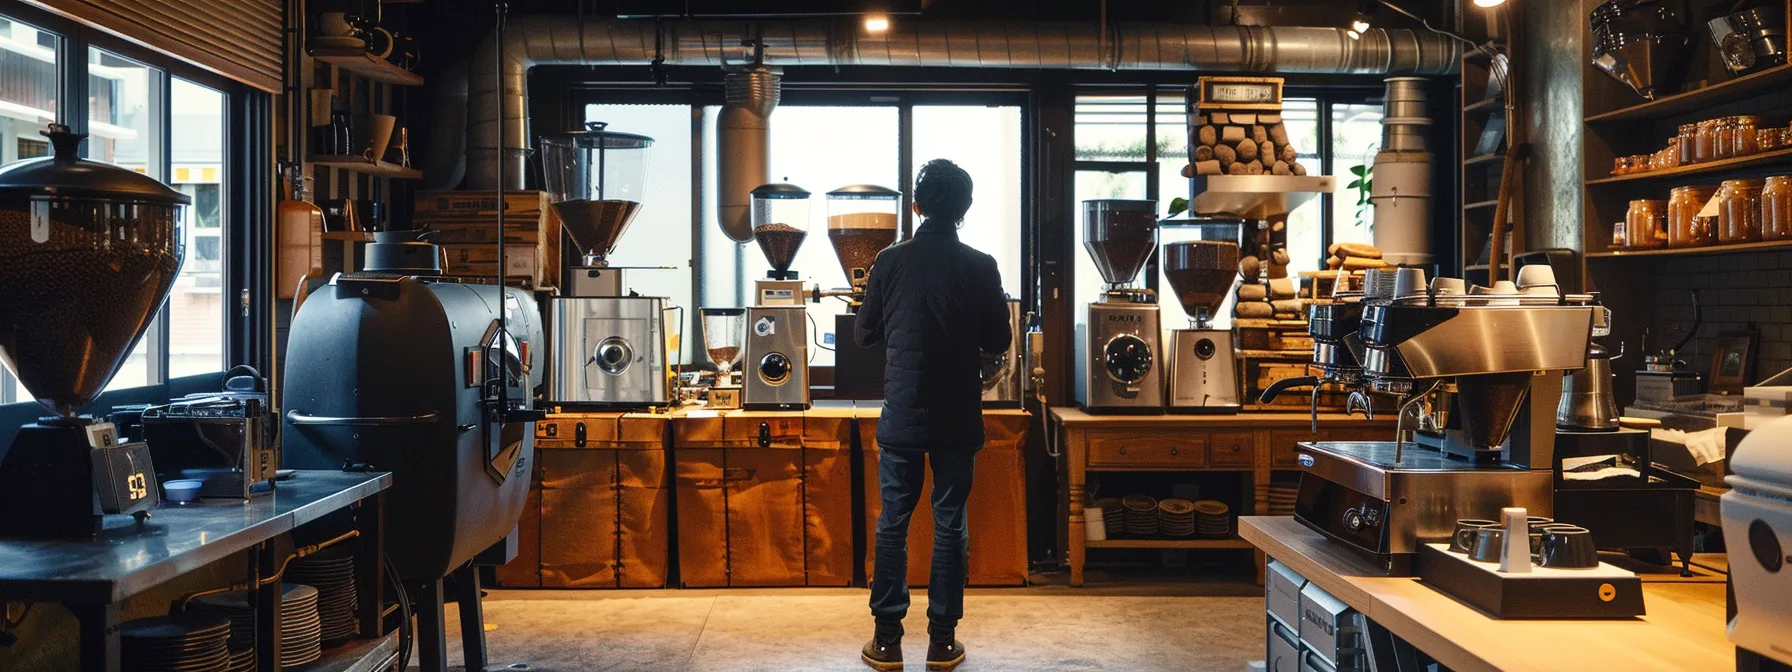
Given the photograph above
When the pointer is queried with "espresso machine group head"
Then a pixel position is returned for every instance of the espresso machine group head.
(609, 346)
(1120, 354)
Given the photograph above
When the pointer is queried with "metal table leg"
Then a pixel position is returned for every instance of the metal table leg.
(265, 600)
(472, 616)
(99, 636)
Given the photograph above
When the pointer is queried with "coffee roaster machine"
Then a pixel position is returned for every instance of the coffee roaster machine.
(88, 253)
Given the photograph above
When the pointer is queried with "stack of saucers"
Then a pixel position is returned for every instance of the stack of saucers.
(301, 628)
(1141, 515)
(1213, 518)
(233, 606)
(1176, 517)
(184, 643)
(1112, 513)
(1281, 498)
(332, 573)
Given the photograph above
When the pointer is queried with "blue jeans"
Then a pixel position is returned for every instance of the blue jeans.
(900, 478)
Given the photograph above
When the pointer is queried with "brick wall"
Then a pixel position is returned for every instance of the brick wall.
(1737, 291)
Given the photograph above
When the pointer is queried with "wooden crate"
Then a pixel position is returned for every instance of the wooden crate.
(764, 499)
(997, 509)
(466, 226)
(600, 506)
(1284, 335)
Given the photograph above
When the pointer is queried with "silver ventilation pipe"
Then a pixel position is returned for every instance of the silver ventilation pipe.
(497, 100)
(444, 153)
(744, 136)
(1400, 181)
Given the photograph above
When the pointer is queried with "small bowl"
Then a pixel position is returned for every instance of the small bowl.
(182, 491)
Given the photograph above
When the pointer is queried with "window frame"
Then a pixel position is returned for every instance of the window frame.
(247, 144)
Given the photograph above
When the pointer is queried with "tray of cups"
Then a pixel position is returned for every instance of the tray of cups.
(1559, 577)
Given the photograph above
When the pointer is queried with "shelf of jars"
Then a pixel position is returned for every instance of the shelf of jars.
(1740, 215)
(1707, 250)
(1733, 164)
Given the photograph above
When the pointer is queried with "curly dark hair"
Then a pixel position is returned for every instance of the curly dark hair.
(943, 191)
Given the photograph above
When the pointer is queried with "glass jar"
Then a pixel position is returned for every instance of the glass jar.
(1776, 208)
(1688, 139)
(1645, 225)
(1705, 140)
(1742, 139)
(1739, 211)
(1685, 227)
(1723, 133)
(1768, 139)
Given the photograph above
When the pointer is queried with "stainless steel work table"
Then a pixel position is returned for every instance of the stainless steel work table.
(92, 577)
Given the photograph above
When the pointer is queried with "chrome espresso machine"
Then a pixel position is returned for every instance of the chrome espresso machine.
(610, 346)
(1477, 376)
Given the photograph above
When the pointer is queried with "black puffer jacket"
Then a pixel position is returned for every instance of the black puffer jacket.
(935, 304)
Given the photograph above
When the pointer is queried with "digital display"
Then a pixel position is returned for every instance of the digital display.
(1242, 93)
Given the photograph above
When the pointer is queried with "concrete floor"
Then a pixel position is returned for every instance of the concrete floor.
(1182, 627)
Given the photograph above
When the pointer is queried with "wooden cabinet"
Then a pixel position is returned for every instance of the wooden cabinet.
(996, 512)
(1251, 445)
(764, 499)
(598, 516)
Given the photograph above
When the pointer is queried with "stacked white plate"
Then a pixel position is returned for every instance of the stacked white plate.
(185, 643)
(301, 627)
(332, 573)
(1213, 518)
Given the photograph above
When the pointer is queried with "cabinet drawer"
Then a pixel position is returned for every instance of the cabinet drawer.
(1232, 449)
(1147, 449)
(1281, 446)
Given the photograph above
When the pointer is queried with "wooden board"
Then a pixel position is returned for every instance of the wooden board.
(1683, 630)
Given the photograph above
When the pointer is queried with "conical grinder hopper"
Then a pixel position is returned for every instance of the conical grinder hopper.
(1201, 273)
(596, 180)
(88, 252)
(1120, 236)
(780, 216)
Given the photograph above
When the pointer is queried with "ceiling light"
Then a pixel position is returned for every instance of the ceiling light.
(1489, 3)
(880, 23)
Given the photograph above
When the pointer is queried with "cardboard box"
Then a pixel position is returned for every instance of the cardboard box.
(466, 226)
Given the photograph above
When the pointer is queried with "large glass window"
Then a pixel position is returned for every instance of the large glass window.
(125, 110)
(661, 233)
(1356, 137)
(195, 311)
(28, 70)
(985, 141)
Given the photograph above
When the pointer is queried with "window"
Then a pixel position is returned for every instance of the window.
(195, 311)
(986, 142)
(661, 233)
(28, 72)
(125, 109)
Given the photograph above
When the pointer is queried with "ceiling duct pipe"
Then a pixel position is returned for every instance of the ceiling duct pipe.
(744, 136)
(1400, 181)
(497, 99)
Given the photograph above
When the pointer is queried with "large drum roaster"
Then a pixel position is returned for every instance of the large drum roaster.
(383, 369)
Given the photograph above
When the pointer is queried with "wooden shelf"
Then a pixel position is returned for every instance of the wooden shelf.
(360, 655)
(1480, 205)
(1706, 251)
(1765, 81)
(1494, 103)
(1484, 158)
(360, 62)
(374, 168)
(1774, 157)
(1199, 544)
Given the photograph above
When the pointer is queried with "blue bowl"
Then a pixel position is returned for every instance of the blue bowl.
(183, 491)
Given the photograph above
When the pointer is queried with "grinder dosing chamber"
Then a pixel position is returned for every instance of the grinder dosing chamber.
(596, 181)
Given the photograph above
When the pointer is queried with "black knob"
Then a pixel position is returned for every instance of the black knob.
(1766, 546)
(774, 368)
(1353, 520)
(1205, 348)
(1127, 359)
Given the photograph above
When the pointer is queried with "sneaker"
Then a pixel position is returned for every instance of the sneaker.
(883, 655)
(943, 656)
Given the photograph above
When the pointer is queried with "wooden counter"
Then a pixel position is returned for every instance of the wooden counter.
(1250, 445)
(1684, 628)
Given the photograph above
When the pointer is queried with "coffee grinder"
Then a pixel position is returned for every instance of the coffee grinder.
(608, 346)
(88, 252)
(1119, 353)
(777, 339)
(1203, 370)
(861, 223)
(723, 331)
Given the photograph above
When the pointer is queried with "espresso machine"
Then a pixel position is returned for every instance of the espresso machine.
(862, 222)
(1488, 445)
(777, 336)
(1004, 375)
(1203, 364)
(1120, 351)
(88, 252)
(609, 346)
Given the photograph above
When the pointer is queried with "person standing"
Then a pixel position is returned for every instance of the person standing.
(937, 307)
